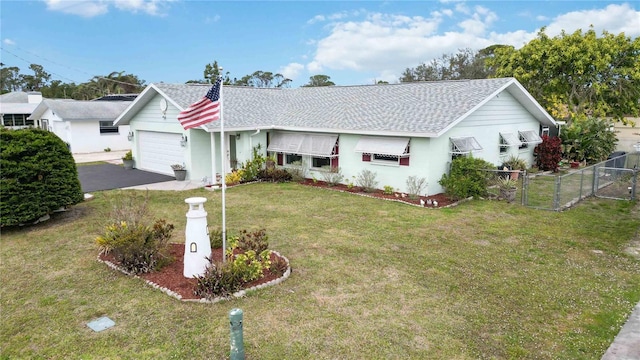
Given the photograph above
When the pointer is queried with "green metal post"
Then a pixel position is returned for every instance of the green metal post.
(237, 341)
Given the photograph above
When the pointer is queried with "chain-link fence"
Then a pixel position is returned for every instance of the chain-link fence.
(615, 178)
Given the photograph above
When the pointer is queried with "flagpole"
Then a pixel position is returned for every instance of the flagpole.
(223, 158)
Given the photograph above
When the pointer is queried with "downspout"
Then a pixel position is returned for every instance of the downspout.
(251, 141)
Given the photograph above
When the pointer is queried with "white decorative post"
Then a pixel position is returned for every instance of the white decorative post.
(196, 246)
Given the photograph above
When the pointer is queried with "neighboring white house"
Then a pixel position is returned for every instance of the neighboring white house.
(17, 106)
(87, 126)
(396, 131)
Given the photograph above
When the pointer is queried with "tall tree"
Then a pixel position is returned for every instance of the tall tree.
(319, 80)
(59, 90)
(10, 79)
(465, 64)
(262, 79)
(36, 81)
(578, 75)
(211, 73)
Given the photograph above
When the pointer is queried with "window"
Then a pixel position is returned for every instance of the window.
(384, 150)
(392, 159)
(7, 120)
(106, 127)
(529, 137)
(316, 150)
(291, 158)
(16, 120)
(318, 162)
(507, 140)
(464, 145)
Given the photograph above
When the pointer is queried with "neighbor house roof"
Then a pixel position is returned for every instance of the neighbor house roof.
(17, 102)
(81, 110)
(420, 108)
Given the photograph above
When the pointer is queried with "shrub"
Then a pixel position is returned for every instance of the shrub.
(219, 279)
(257, 241)
(416, 186)
(38, 175)
(249, 267)
(548, 153)
(366, 179)
(215, 238)
(274, 175)
(234, 177)
(298, 172)
(589, 140)
(138, 248)
(223, 279)
(251, 168)
(333, 176)
(131, 207)
(278, 266)
(466, 178)
(388, 190)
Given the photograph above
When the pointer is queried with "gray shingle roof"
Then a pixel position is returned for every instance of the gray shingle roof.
(16, 97)
(422, 107)
(82, 110)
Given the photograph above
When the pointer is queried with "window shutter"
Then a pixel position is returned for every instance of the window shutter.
(280, 159)
(404, 161)
(334, 162)
(366, 157)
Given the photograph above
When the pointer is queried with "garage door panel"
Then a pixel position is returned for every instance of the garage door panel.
(158, 151)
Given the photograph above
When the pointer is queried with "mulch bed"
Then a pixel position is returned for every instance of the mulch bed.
(171, 276)
(441, 199)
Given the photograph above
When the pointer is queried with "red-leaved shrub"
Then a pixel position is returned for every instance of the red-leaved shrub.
(549, 153)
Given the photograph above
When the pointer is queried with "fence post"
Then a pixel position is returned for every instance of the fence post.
(634, 184)
(237, 341)
(525, 188)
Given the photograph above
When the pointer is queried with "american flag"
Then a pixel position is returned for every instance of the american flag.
(204, 111)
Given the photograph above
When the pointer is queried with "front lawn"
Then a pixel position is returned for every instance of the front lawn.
(371, 279)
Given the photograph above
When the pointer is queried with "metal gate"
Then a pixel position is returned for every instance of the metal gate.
(616, 183)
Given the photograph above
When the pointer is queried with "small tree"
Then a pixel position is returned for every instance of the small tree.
(548, 153)
(38, 175)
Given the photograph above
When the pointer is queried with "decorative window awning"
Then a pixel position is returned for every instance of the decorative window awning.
(303, 144)
(382, 145)
(464, 145)
(530, 137)
(510, 139)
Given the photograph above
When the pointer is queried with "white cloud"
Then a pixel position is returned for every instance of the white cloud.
(614, 18)
(315, 19)
(291, 71)
(8, 42)
(479, 21)
(82, 8)
(542, 18)
(385, 45)
(213, 19)
(91, 8)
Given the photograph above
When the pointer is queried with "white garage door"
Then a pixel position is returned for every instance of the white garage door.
(158, 151)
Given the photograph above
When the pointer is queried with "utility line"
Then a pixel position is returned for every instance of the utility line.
(66, 66)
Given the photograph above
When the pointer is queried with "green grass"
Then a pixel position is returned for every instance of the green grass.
(371, 280)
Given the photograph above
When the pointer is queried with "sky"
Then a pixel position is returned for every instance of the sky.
(353, 42)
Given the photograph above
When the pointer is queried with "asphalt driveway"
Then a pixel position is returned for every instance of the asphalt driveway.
(109, 176)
